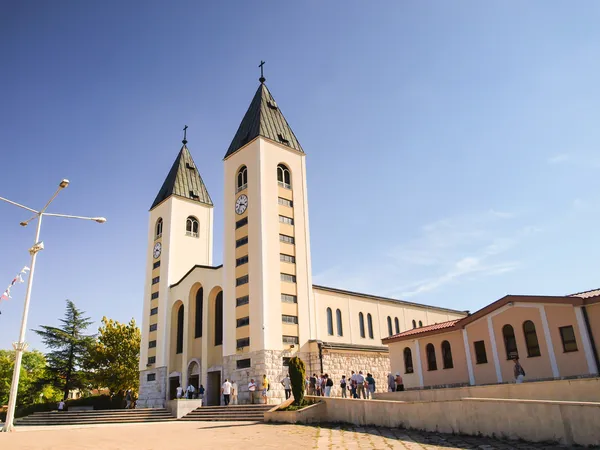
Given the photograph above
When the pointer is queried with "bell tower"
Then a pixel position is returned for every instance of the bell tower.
(180, 235)
(268, 300)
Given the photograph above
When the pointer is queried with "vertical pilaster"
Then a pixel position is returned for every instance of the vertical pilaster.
(551, 355)
(585, 340)
(185, 355)
(419, 365)
(205, 339)
(494, 349)
(468, 355)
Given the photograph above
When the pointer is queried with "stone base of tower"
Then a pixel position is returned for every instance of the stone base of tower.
(152, 393)
(263, 362)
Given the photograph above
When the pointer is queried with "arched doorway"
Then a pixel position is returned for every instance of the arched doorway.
(194, 374)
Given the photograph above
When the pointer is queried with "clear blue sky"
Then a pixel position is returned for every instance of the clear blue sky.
(452, 148)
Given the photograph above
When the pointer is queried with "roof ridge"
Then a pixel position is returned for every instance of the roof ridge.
(583, 292)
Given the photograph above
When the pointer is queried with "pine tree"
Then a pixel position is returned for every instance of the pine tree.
(297, 374)
(69, 347)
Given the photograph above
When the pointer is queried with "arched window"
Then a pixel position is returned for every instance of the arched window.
(420, 324)
(199, 306)
(447, 355)
(414, 323)
(370, 325)
(361, 324)
(179, 330)
(191, 226)
(158, 231)
(510, 343)
(389, 326)
(242, 179)
(284, 178)
(408, 365)
(531, 340)
(431, 362)
(397, 323)
(338, 317)
(329, 322)
(219, 319)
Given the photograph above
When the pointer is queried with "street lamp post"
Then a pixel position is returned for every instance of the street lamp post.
(20, 346)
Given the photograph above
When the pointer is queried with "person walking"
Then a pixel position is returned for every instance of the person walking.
(360, 385)
(265, 388)
(399, 382)
(179, 392)
(519, 372)
(370, 385)
(226, 391)
(252, 390)
(190, 391)
(234, 393)
(201, 393)
(287, 386)
(391, 382)
(128, 399)
(343, 385)
(328, 385)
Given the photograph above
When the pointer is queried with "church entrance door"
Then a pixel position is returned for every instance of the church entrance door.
(173, 383)
(213, 390)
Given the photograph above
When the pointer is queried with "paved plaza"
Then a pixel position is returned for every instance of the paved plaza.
(242, 435)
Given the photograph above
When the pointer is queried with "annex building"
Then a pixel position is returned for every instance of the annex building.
(203, 323)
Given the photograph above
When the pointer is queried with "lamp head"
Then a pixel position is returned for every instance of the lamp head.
(23, 224)
(99, 219)
(64, 183)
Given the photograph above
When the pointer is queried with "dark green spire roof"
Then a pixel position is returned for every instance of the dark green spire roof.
(183, 180)
(264, 118)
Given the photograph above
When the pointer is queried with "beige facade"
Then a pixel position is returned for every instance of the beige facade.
(204, 323)
(553, 338)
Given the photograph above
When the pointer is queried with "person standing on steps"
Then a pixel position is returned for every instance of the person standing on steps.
(226, 391)
(252, 391)
(328, 385)
(128, 399)
(287, 386)
(391, 382)
(312, 389)
(370, 386)
(234, 393)
(61, 405)
(399, 382)
(265, 388)
(179, 393)
(201, 393)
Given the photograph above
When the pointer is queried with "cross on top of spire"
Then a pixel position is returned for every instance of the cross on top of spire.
(184, 135)
(262, 78)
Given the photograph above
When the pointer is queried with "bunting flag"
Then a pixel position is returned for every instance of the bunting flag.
(18, 279)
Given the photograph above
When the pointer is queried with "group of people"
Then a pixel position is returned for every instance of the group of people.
(359, 385)
(191, 392)
(230, 391)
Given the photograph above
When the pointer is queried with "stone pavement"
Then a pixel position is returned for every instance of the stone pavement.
(242, 435)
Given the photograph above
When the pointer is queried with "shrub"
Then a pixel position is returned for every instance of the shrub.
(297, 377)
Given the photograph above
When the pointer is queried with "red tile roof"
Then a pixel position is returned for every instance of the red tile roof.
(426, 328)
(587, 294)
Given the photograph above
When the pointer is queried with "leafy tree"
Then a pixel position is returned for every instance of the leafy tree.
(114, 356)
(32, 386)
(69, 347)
(297, 375)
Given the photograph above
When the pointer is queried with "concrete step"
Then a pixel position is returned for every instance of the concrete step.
(96, 417)
(87, 422)
(103, 411)
(234, 413)
(224, 419)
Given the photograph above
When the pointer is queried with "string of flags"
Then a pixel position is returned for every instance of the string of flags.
(18, 279)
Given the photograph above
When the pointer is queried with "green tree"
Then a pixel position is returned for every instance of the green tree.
(114, 356)
(297, 376)
(69, 347)
(32, 385)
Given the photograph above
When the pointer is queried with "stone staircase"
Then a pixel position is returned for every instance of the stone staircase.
(254, 413)
(93, 417)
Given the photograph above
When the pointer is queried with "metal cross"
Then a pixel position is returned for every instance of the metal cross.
(185, 134)
(262, 78)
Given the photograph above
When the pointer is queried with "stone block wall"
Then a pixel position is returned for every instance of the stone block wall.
(152, 393)
(269, 362)
(337, 363)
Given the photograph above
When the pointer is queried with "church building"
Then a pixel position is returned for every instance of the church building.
(245, 318)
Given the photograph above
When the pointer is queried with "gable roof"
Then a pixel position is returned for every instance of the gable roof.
(263, 118)
(587, 294)
(183, 180)
(451, 325)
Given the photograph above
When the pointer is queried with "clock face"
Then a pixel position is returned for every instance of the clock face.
(241, 204)
(157, 249)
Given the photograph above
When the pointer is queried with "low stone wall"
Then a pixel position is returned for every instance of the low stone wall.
(181, 407)
(532, 420)
(577, 390)
(311, 414)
